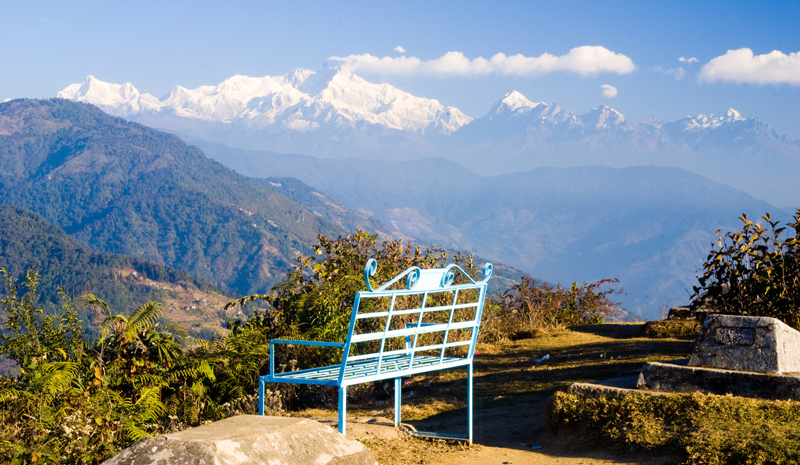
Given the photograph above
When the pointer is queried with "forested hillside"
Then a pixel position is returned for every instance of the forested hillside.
(124, 282)
(124, 188)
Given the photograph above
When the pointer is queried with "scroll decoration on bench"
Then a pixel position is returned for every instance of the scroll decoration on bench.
(428, 324)
(414, 273)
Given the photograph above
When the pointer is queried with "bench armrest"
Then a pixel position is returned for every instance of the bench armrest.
(307, 343)
(272, 343)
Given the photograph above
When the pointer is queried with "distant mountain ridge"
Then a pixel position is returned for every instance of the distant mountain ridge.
(520, 135)
(333, 113)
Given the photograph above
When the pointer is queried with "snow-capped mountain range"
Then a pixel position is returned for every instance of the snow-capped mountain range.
(302, 101)
(333, 113)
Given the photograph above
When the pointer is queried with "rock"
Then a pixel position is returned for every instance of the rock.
(747, 343)
(683, 378)
(249, 439)
(680, 313)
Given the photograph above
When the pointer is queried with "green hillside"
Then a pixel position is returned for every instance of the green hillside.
(123, 188)
(124, 282)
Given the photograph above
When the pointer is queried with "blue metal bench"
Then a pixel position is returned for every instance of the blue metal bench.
(429, 324)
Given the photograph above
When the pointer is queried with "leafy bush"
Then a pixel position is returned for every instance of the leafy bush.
(528, 306)
(316, 300)
(698, 428)
(755, 271)
(79, 400)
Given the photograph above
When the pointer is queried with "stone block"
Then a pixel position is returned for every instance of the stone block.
(249, 439)
(680, 313)
(684, 378)
(747, 343)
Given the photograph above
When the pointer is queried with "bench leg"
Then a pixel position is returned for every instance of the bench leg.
(260, 397)
(398, 394)
(342, 409)
(469, 401)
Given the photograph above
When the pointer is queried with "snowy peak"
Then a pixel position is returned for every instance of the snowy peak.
(117, 99)
(301, 100)
(229, 99)
(295, 78)
(711, 121)
(512, 105)
(603, 117)
(514, 101)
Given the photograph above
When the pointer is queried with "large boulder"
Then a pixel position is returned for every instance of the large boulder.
(249, 439)
(747, 343)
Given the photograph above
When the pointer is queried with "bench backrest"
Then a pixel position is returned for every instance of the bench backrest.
(430, 316)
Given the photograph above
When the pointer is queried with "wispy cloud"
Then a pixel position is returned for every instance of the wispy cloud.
(743, 66)
(688, 60)
(609, 91)
(400, 49)
(586, 60)
(678, 73)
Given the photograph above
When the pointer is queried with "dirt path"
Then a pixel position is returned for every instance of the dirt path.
(512, 435)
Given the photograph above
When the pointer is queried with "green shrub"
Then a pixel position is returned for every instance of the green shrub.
(316, 300)
(755, 271)
(671, 328)
(78, 400)
(529, 306)
(698, 428)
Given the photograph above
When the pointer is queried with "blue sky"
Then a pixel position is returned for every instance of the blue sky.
(157, 45)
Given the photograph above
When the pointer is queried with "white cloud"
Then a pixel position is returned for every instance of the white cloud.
(688, 60)
(678, 72)
(586, 60)
(609, 91)
(743, 67)
(400, 49)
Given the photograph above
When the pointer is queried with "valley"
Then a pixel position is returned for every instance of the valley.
(651, 227)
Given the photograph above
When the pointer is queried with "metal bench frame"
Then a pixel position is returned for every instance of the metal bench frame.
(398, 363)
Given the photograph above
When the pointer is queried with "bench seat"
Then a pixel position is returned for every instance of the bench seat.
(363, 371)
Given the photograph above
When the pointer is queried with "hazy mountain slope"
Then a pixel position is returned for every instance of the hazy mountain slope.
(408, 196)
(124, 282)
(649, 226)
(124, 188)
(324, 206)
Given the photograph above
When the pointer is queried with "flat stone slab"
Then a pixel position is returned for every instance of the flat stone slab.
(683, 378)
(249, 439)
(594, 390)
(760, 344)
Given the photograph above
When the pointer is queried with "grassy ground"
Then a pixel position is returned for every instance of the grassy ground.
(511, 394)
